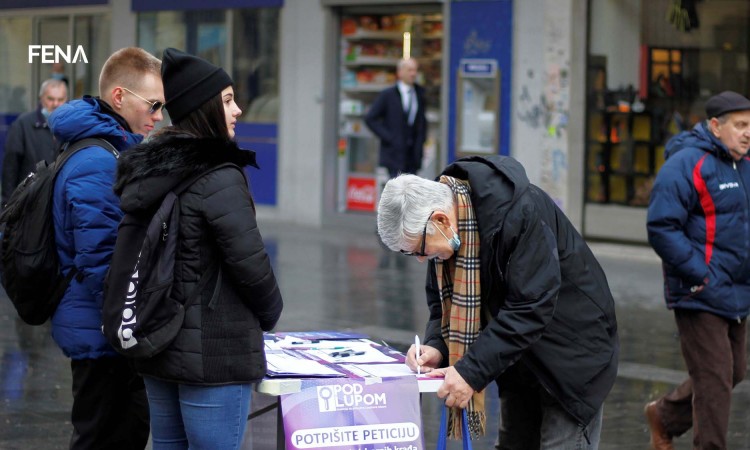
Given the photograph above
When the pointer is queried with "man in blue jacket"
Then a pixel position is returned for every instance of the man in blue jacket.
(110, 409)
(699, 224)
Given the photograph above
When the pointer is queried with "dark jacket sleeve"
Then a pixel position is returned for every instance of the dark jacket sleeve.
(376, 118)
(672, 198)
(532, 280)
(231, 218)
(12, 160)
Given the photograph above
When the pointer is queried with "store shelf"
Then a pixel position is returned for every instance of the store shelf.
(432, 36)
(372, 61)
(432, 116)
(621, 157)
(360, 135)
(365, 34)
(365, 88)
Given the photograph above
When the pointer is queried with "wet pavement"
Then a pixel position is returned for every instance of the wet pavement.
(340, 278)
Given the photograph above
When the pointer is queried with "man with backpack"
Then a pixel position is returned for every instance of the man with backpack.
(110, 409)
(698, 220)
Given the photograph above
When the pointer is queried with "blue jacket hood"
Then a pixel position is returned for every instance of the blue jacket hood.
(89, 117)
(699, 137)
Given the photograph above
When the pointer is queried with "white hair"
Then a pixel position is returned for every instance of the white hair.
(52, 83)
(405, 205)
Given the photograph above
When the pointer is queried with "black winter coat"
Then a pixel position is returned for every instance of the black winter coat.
(545, 299)
(29, 141)
(221, 341)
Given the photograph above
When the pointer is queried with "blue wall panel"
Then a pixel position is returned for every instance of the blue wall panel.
(481, 29)
(261, 138)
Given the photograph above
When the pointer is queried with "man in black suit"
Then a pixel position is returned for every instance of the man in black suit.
(397, 117)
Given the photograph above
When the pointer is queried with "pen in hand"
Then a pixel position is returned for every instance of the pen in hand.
(416, 356)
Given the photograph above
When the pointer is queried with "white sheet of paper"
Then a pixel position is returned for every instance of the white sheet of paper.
(287, 364)
(377, 371)
(380, 370)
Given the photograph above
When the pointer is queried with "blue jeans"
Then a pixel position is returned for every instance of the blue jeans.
(197, 417)
(531, 419)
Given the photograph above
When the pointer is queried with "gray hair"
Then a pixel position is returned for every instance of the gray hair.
(51, 83)
(405, 205)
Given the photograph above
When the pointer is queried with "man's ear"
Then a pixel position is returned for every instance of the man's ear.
(441, 218)
(713, 125)
(115, 97)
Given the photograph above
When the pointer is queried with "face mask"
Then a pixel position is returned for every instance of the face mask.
(454, 242)
(45, 113)
(58, 76)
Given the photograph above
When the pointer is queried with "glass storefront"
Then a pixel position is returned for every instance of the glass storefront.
(20, 81)
(16, 91)
(651, 67)
(371, 43)
(245, 43)
(252, 57)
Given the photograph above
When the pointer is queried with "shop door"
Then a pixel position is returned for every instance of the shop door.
(371, 43)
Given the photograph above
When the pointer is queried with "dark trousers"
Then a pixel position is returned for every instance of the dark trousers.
(531, 419)
(110, 409)
(714, 350)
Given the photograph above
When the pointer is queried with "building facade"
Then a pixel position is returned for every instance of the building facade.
(502, 76)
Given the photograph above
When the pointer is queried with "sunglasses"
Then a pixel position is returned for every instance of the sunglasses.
(421, 252)
(155, 106)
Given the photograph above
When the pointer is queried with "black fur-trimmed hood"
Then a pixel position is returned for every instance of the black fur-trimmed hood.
(147, 171)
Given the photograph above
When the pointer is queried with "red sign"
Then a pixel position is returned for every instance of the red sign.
(361, 194)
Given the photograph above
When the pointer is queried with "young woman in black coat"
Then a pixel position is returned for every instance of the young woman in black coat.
(199, 387)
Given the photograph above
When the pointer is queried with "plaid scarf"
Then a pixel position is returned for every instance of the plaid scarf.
(460, 295)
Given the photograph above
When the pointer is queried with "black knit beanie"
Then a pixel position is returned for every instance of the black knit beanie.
(189, 82)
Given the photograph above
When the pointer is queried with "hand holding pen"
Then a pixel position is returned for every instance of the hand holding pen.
(429, 358)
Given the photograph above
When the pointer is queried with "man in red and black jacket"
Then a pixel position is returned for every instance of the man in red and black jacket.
(699, 224)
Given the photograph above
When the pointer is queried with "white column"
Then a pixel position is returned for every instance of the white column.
(547, 97)
(301, 116)
(123, 21)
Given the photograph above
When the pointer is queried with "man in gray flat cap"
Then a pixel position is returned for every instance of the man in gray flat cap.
(698, 220)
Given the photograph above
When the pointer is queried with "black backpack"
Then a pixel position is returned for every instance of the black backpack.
(31, 272)
(140, 318)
